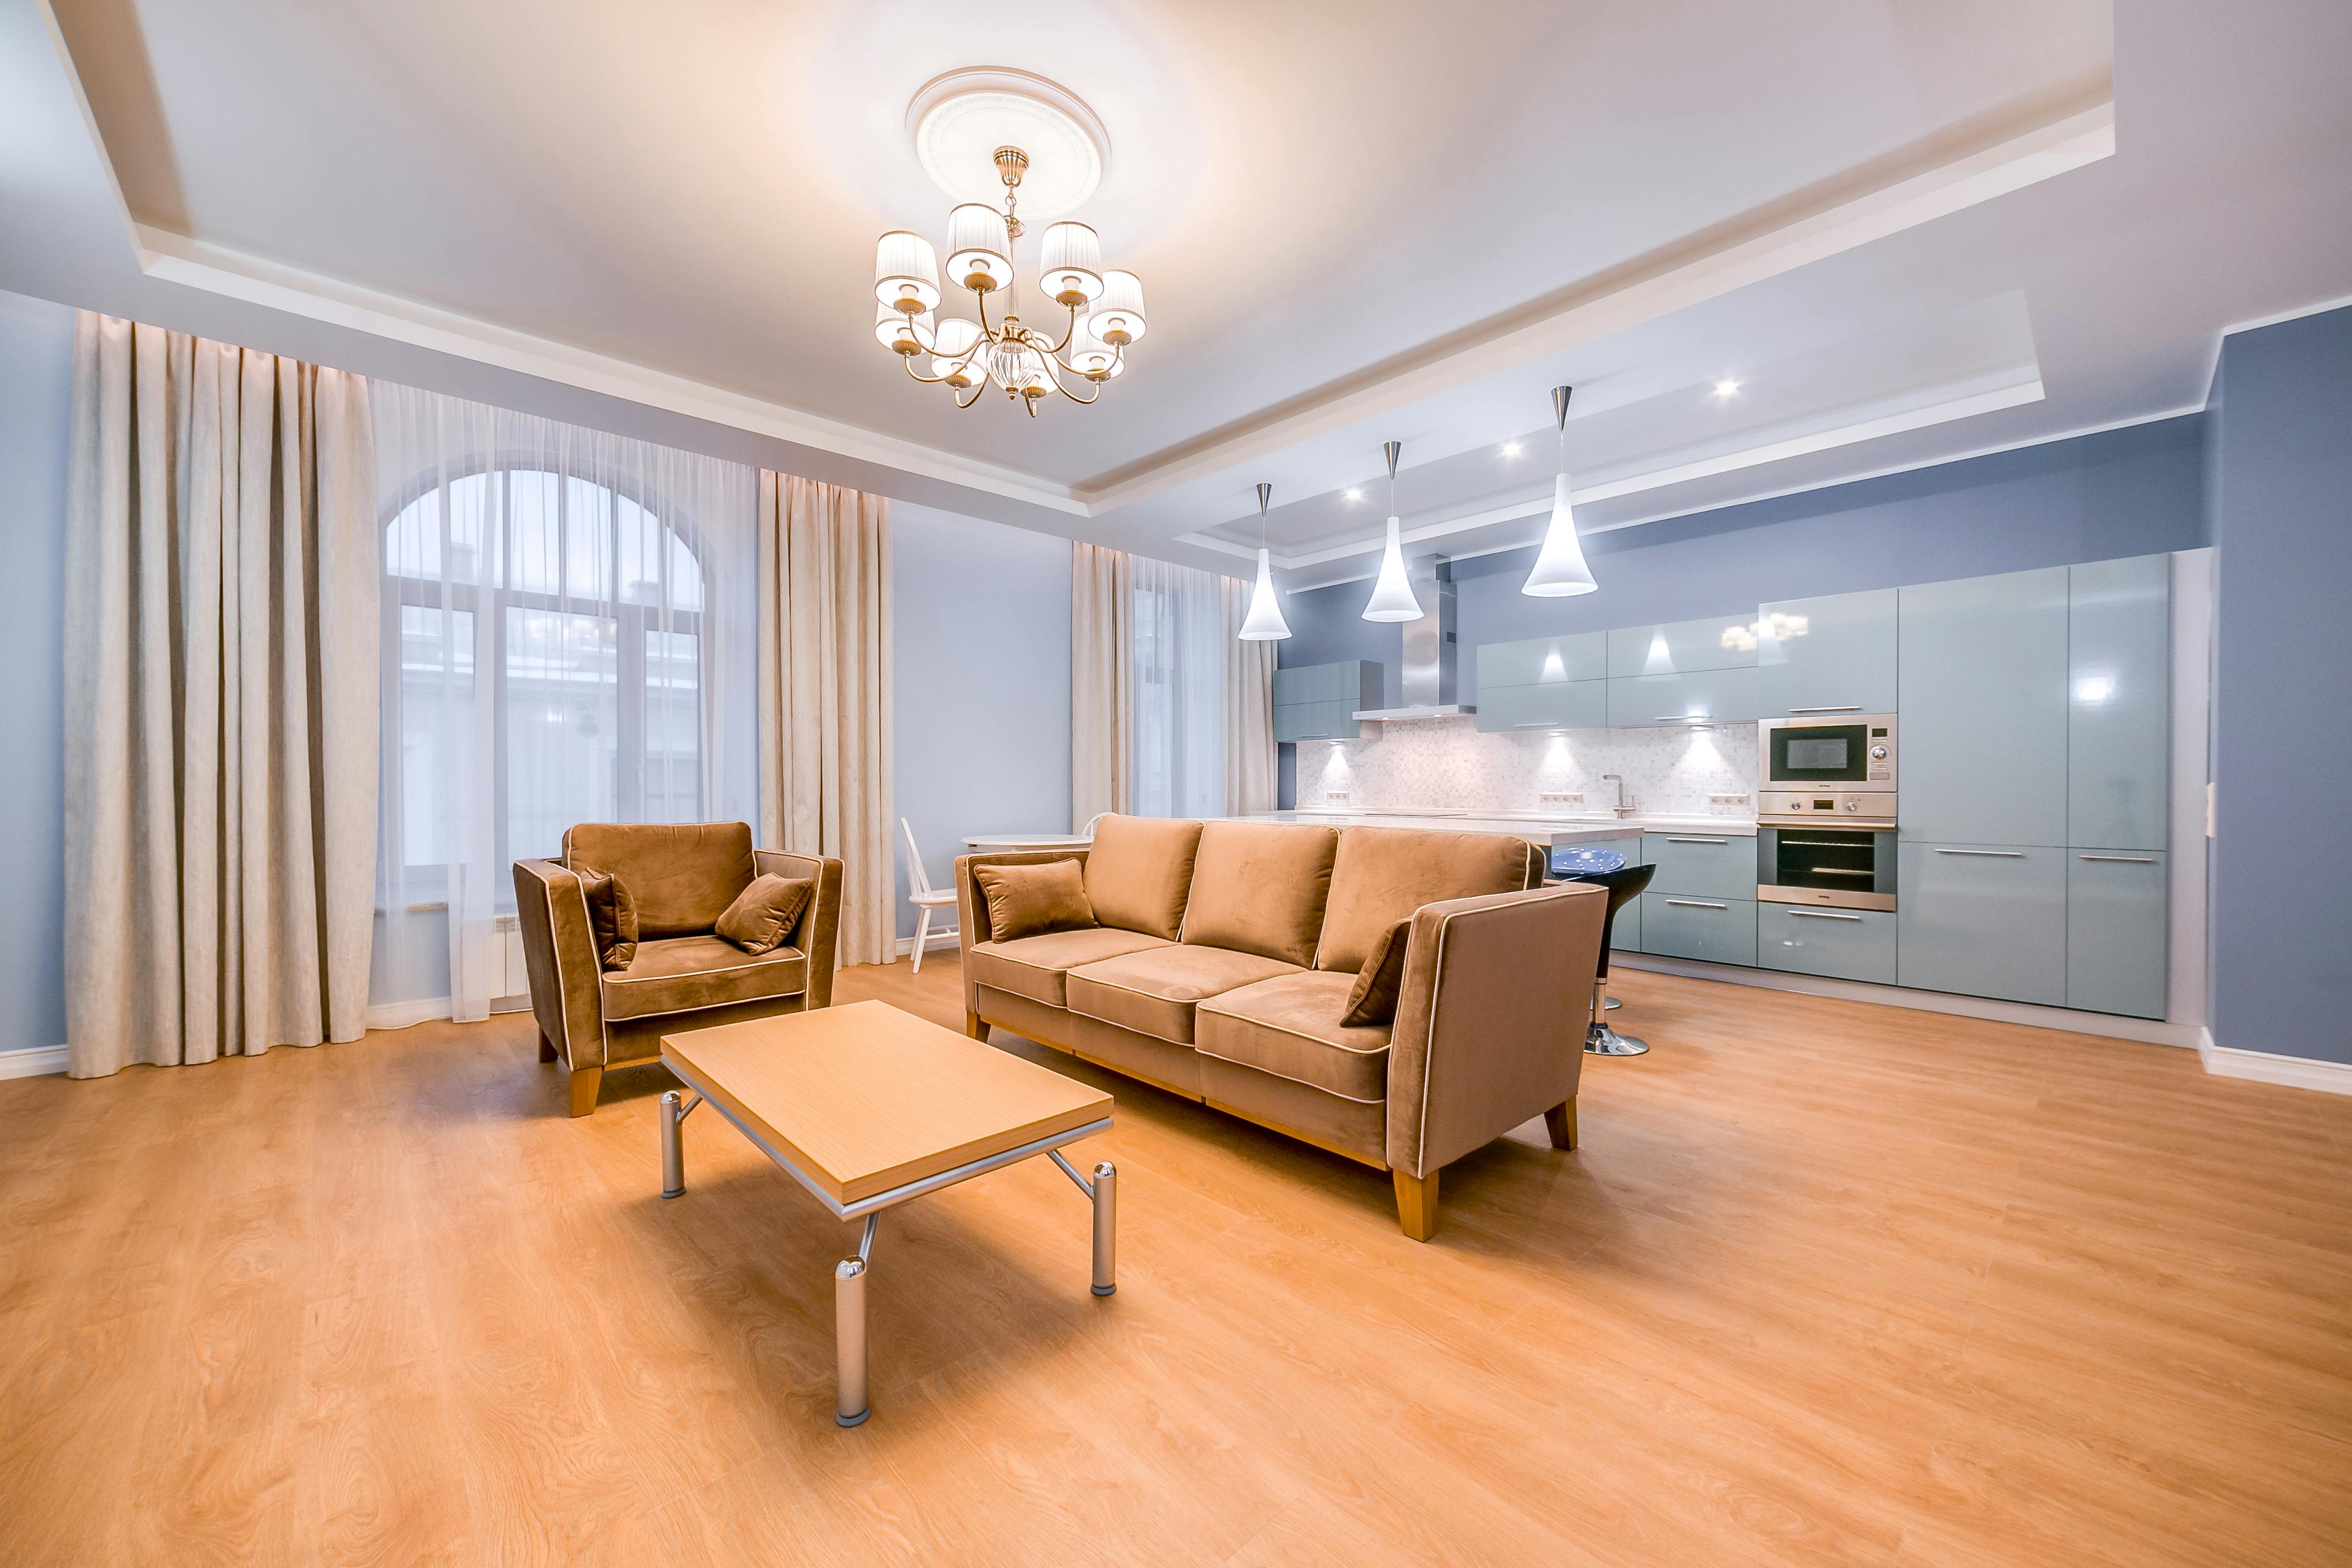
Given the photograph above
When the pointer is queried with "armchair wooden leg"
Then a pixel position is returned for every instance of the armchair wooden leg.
(546, 1048)
(585, 1082)
(1560, 1122)
(974, 1026)
(1416, 1205)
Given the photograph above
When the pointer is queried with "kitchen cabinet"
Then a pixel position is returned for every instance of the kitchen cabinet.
(1706, 865)
(2117, 944)
(1649, 701)
(1835, 654)
(1981, 668)
(1837, 944)
(1983, 920)
(1720, 931)
(1544, 661)
(2119, 703)
(1562, 705)
(1319, 702)
(1326, 721)
(1679, 648)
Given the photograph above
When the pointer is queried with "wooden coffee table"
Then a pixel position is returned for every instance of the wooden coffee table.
(868, 1107)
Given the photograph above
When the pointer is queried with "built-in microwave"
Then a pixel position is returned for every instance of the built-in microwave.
(1847, 754)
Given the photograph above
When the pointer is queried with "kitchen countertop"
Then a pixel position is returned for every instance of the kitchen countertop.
(1539, 828)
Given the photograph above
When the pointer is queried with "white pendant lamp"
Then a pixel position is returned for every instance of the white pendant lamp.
(1263, 622)
(1560, 568)
(1393, 597)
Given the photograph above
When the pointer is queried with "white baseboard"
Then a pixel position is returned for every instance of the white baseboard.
(427, 1009)
(2270, 1067)
(2147, 1031)
(939, 938)
(33, 1062)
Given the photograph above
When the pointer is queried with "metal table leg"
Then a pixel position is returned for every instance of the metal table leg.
(850, 1405)
(672, 1117)
(1104, 1192)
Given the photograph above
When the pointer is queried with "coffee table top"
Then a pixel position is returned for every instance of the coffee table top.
(864, 1098)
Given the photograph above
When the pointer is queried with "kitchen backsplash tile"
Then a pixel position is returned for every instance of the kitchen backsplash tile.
(1447, 763)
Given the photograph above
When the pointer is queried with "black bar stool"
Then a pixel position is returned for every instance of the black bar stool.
(1624, 884)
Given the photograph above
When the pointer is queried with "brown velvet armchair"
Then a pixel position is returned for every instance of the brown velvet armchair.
(682, 879)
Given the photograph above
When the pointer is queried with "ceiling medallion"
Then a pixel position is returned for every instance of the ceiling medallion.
(993, 135)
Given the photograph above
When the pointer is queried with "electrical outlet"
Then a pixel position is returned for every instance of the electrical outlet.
(1336, 797)
(1726, 800)
(1560, 797)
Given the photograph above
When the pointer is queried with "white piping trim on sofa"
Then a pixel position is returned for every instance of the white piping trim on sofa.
(2272, 1067)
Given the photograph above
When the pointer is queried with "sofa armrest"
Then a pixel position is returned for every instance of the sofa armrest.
(1491, 1019)
(817, 932)
(559, 945)
(972, 908)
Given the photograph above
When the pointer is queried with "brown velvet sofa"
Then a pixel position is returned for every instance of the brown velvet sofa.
(682, 877)
(1221, 966)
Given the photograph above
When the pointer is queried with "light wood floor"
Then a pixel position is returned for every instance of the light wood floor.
(1826, 1284)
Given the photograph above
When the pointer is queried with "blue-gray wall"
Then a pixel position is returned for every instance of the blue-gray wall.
(36, 387)
(2282, 888)
(981, 662)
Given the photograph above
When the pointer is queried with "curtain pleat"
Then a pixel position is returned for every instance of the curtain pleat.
(824, 694)
(1102, 648)
(221, 676)
(1249, 768)
(1176, 668)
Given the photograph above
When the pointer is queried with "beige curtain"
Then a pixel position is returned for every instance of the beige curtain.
(1102, 648)
(1249, 711)
(824, 694)
(220, 698)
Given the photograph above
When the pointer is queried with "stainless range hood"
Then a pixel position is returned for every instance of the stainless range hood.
(1430, 646)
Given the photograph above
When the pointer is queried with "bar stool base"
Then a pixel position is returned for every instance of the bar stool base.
(1600, 1040)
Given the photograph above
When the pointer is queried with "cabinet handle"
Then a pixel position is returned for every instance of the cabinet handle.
(1840, 707)
(2124, 859)
(1540, 724)
(1823, 915)
(1698, 840)
(1677, 718)
(1988, 853)
(1698, 904)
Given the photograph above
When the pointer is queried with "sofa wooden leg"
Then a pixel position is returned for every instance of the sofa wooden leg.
(974, 1026)
(546, 1048)
(1560, 1122)
(585, 1082)
(1416, 1205)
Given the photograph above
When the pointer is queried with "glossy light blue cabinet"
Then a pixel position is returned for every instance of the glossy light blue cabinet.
(1706, 865)
(1720, 931)
(1835, 654)
(1319, 702)
(1648, 702)
(1837, 944)
(1983, 920)
(1675, 647)
(1981, 668)
(2119, 696)
(2117, 944)
(1544, 661)
(1564, 705)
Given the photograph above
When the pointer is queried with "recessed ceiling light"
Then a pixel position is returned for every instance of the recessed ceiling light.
(1355, 495)
(1725, 388)
(1510, 448)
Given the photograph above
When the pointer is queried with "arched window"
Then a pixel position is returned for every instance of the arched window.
(587, 603)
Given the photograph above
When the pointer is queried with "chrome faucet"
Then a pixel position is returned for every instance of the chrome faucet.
(1624, 807)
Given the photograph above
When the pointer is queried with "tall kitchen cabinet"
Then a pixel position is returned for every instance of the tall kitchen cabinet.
(2034, 710)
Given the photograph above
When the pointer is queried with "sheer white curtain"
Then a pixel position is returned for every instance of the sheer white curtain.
(1178, 695)
(1250, 766)
(568, 620)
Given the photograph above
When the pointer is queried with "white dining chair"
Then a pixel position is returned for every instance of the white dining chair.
(921, 893)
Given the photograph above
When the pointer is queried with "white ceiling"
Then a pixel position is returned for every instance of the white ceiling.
(1897, 224)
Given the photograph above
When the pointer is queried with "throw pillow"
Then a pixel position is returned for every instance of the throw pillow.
(1373, 998)
(764, 914)
(612, 917)
(1030, 900)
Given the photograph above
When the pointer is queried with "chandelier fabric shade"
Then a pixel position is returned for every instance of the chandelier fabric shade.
(1118, 318)
(906, 267)
(951, 357)
(1070, 264)
(980, 251)
(902, 334)
(1560, 569)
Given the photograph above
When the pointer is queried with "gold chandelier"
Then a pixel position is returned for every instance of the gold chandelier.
(1105, 306)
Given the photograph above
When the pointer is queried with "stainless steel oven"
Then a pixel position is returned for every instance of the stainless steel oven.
(1840, 865)
(1852, 753)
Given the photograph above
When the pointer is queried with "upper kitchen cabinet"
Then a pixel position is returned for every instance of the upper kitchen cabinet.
(1680, 647)
(1319, 702)
(2119, 693)
(1982, 688)
(1831, 654)
(1544, 683)
(1703, 696)
(1544, 661)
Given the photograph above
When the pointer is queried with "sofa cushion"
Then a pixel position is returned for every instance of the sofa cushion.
(682, 875)
(612, 917)
(764, 913)
(1381, 875)
(675, 974)
(1373, 997)
(1258, 887)
(1030, 900)
(1290, 1026)
(1035, 966)
(1153, 992)
(1139, 870)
